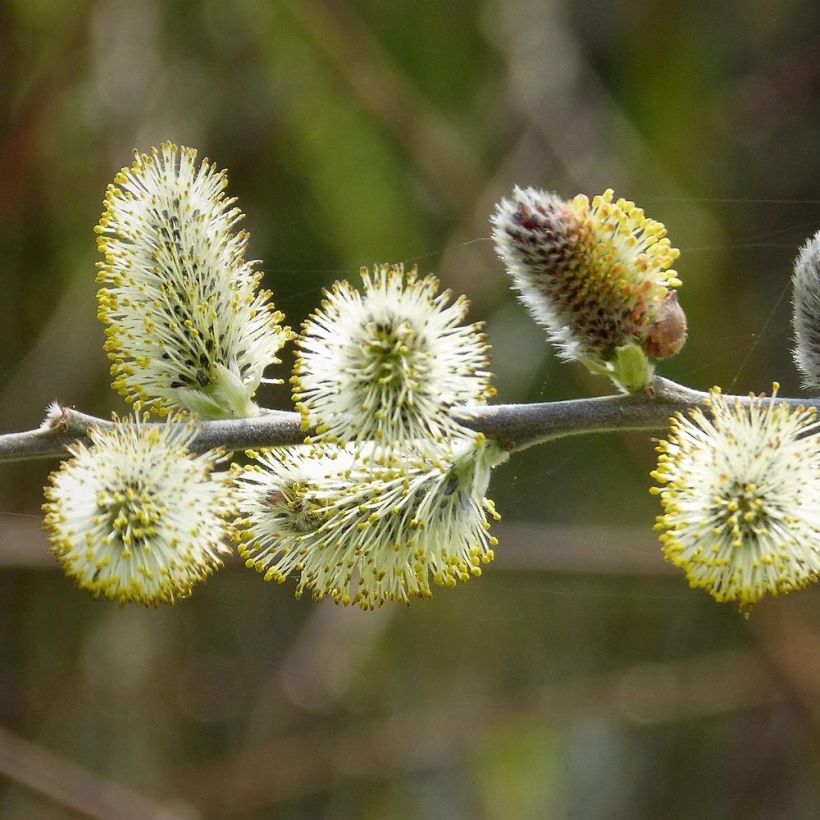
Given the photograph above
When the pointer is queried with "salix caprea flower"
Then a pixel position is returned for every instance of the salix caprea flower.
(187, 326)
(597, 276)
(740, 491)
(135, 516)
(368, 529)
(387, 362)
(806, 311)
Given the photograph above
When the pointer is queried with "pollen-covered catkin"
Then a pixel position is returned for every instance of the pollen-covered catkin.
(388, 362)
(740, 491)
(597, 275)
(136, 516)
(368, 527)
(187, 326)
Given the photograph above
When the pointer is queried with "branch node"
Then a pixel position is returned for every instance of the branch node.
(56, 418)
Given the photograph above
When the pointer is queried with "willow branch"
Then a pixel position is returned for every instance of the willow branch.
(513, 426)
(65, 425)
(518, 426)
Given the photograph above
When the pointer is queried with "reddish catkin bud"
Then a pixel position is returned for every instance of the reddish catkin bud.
(667, 335)
(597, 276)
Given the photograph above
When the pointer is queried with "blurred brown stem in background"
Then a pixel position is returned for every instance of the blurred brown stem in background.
(31, 113)
(73, 787)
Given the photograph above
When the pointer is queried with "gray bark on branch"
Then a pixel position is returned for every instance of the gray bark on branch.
(513, 426)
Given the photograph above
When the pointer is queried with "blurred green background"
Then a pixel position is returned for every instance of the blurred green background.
(579, 677)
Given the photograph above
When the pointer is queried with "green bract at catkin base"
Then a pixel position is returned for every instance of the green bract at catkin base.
(187, 326)
(741, 498)
(597, 276)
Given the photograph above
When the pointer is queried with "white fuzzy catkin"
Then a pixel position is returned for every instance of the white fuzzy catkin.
(364, 528)
(136, 516)
(387, 363)
(741, 497)
(187, 326)
(806, 312)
